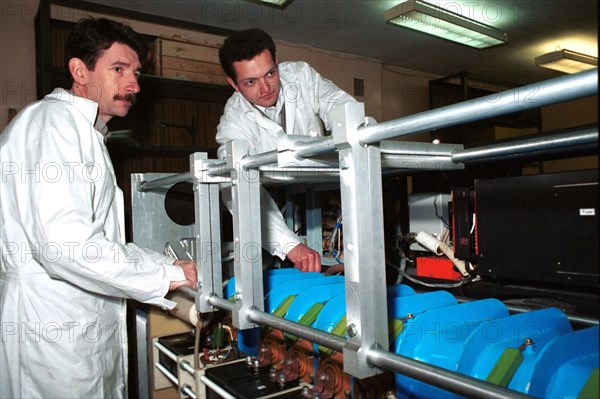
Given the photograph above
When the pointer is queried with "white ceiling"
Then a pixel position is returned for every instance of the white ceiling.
(357, 27)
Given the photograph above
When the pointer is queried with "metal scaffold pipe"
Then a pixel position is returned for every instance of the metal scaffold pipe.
(440, 377)
(220, 303)
(301, 331)
(434, 375)
(314, 147)
(165, 181)
(586, 136)
(258, 160)
(535, 95)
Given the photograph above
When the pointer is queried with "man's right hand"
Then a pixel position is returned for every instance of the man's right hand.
(305, 259)
(190, 273)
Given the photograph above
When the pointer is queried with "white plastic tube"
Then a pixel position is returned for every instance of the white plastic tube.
(439, 248)
(429, 242)
(185, 309)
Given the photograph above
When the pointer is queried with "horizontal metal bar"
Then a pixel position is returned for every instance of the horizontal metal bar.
(394, 147)
(221, 303)
(218, 390)
(167, 373)
(257, 160)
(402, 154)
(518, 147)
(187, 390)
(164, 181)
(321, 145)
(326, 144)
(219, 167)
(166, 351)
(298, 175)
(409, 156)
(531, 96)
(317, 336)
(190, 293)
(585, 321)
(416, 162)
(427, 373)
(527, 97)
(186, 366)
(535, 95)
(440, 377)
(582, 320)
(301, 331)
(434, 375)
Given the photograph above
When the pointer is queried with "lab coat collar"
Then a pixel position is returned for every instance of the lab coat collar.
(288, 112)
(102, 128)
(88, 108)
(275, 109)
(290, 106)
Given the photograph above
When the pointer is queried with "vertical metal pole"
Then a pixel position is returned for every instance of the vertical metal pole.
(364, 259)
(208, 232)
(245, 192)
(314, 230)
(142, 342)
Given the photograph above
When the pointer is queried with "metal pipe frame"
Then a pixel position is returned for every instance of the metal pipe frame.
(535, 95)
(434, 375)
(440, 377)
(367, 342)
(580, 137)
(207, 230)
(165, 181)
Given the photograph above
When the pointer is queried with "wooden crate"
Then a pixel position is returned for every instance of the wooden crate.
(186, 60)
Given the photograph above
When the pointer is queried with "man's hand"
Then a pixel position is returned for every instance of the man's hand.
(305, 259)
(190, 273)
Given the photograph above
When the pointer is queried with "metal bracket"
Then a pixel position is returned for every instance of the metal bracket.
(364, 252)
(208, 232)
(245, 192)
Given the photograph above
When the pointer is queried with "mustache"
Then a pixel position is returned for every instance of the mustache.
(129, 97)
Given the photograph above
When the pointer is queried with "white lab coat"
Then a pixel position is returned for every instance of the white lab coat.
(65, 271)
(309, 101)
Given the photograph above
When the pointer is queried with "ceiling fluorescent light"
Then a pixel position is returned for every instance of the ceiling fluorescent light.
(567, 61)
(276, 3)
(433, 20)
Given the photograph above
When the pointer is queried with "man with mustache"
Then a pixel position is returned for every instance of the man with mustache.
(66, 270)
(272, 98)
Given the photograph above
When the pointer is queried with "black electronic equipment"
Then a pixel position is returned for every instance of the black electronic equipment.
(541, 228)
(245, 382)
(463, 218)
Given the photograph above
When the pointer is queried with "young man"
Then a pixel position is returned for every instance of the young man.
(269, 99)
(66, 270)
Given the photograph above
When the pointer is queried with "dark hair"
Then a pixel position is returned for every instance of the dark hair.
(91, 37)
(244, 45)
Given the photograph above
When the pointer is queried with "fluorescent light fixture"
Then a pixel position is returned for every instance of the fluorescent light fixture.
(276, 3)
(567, 61)
(436, 21)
